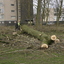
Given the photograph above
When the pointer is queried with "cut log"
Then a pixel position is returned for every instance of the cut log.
(57, 41)
(53, 37)
(45, 39)
(44, 46)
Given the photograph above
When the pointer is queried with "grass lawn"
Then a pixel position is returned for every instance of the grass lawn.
(34, 57)
(18, 54)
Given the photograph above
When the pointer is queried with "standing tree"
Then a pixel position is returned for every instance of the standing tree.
(59, 4)
(26, 10)
(30, 9)
(38, 17)
(45, 10)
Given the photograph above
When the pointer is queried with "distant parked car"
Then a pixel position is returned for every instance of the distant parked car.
(50, 23)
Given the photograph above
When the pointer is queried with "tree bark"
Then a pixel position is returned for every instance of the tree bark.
(38, 14)
(45, 39)
(59, 11)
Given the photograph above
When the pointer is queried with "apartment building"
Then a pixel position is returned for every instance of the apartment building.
(53, 15)
(8, 11)
(13, 10)
(62, 14)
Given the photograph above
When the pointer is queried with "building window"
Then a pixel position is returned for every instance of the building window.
(9, 22)
(13, 17)
(1, 16)
(12, 10)
(2, 22)
(1, 4)
(14, 21)
(12, 4)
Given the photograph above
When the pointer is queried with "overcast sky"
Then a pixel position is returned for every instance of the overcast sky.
(35, 5)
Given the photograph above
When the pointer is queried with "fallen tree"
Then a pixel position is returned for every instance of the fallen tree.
(45, 39)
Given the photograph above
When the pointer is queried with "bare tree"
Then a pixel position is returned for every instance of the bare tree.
(38, 17)
(45, 10)
(59, 4)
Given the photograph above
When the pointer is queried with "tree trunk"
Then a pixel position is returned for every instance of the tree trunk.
(26, 10)
(45, 39)
(59, 11)
(38, 14)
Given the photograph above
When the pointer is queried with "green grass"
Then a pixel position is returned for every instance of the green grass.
(32, 58)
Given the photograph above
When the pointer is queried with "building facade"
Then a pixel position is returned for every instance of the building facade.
(8, 11)
(11, 11)
(53, 15)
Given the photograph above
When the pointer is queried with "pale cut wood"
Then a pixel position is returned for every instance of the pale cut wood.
(57, 41)
(45, 39)
(53, 37)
